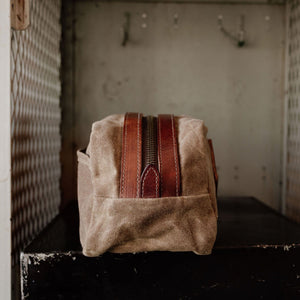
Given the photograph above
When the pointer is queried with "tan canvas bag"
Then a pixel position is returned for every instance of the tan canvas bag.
(147, 184)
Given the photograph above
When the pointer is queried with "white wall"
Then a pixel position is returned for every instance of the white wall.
(193, 70)
(5, 248)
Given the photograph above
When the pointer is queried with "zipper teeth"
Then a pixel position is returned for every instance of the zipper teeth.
(149, 142)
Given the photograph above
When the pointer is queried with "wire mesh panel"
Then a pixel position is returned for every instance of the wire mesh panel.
(293, 113)
(35, 121)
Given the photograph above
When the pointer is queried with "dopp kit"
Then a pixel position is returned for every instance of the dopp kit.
(147, 183)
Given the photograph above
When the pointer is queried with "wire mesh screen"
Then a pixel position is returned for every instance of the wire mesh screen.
(35, 121)
(293, 114)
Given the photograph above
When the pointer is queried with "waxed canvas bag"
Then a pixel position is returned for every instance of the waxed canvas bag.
(147, 184)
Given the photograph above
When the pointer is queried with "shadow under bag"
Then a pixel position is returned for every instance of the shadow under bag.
(147, 184)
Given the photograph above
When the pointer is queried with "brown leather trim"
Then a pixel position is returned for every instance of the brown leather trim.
(168, 158)
(150, 182)
(213, 161)
(131, 163)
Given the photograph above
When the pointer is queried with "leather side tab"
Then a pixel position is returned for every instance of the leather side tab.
(213, 161)
(168, 157)
(131, 163)
(150, 183)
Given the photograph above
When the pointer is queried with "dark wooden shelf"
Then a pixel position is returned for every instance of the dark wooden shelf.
(256, 256)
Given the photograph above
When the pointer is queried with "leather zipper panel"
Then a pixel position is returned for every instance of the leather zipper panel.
(131, 164)
(168, 157)
(150, 160)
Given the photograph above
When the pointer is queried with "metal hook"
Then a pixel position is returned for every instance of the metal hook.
(125, 29)
(175, 20)
(240, 37)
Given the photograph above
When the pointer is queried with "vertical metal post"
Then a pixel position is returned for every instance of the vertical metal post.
(5, 163)
(285, 113)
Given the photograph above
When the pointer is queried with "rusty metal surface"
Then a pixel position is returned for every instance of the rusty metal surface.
(257, 254)
(232, 274)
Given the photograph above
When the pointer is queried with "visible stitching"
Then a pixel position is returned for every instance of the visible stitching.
(138, 158)
(160, 152)
(174, 151)
(143, 182)
(124, 156)
(156, 184)
(156, 181)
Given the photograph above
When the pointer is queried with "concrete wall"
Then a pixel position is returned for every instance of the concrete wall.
(193, 69)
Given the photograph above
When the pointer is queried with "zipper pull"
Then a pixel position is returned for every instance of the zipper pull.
(150, 182)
